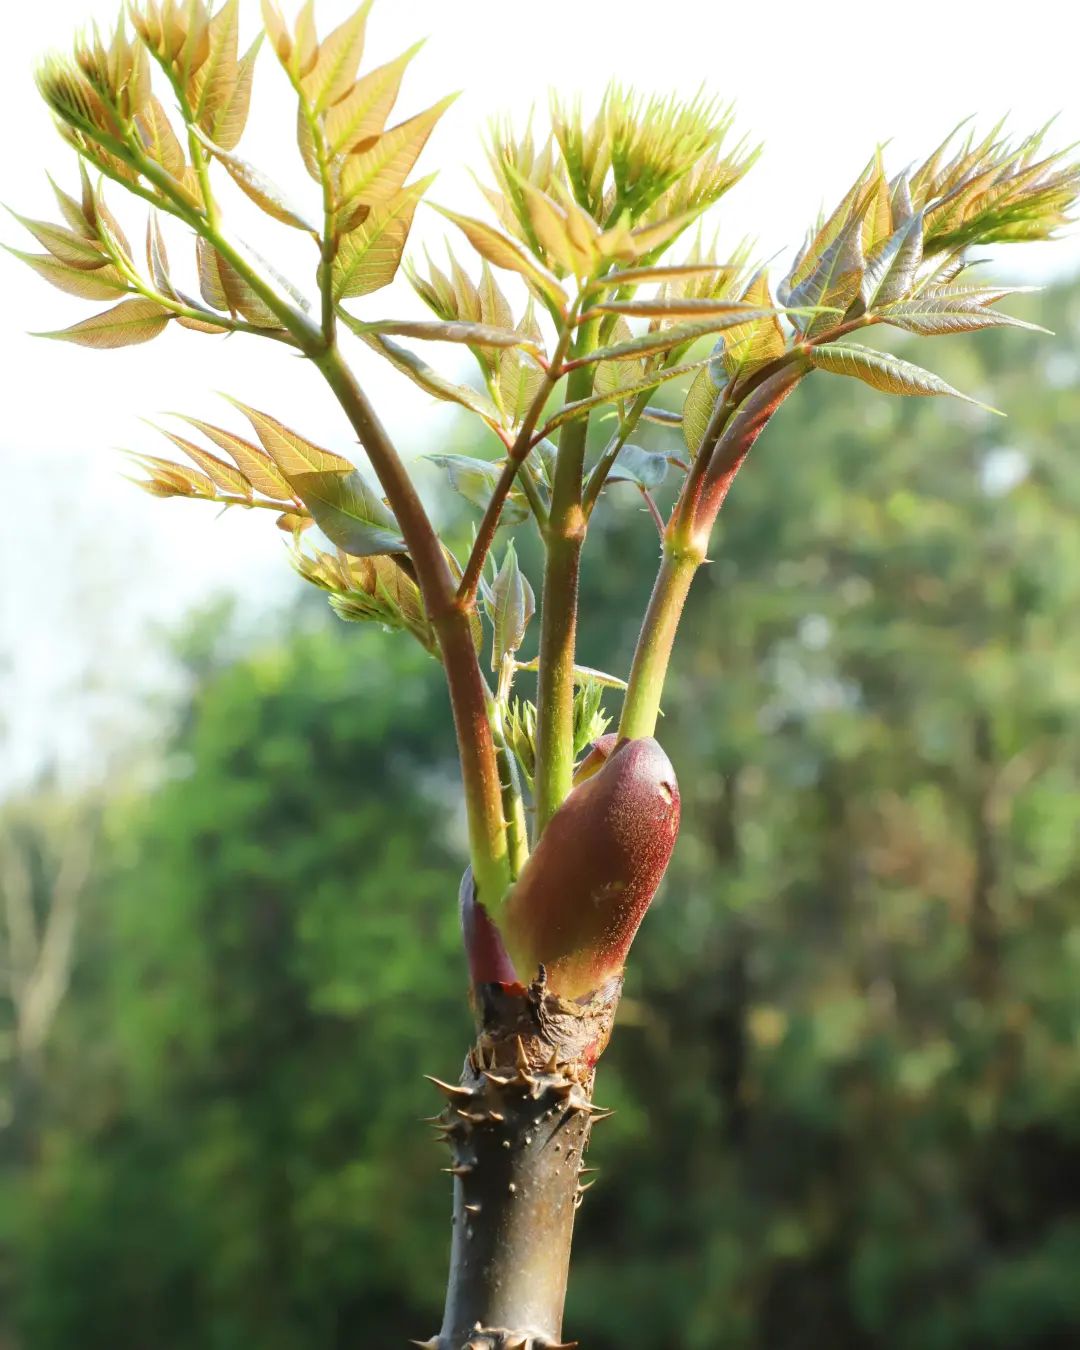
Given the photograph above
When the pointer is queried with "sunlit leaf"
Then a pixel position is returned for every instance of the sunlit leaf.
(183, 481)
(472, 334)
(292, 453)
(221, 474)
(158, 138)
(338, 57)
(834, 280)
(223, 288)
(265, 194)
(376, 174)
(156, 257)
(349, 512)
(368, 258)
(255, 464)
(65, 245)
(582, 407)
(699, 406)
(663, 339)
(362, 113)
(518, 378)
(103, 283)
(502, 251)
(128, 323)
(882, 370)
(932, 316)
(430, 380)
(677, 307)
(226, 127)
(752, 344)
(890, 272)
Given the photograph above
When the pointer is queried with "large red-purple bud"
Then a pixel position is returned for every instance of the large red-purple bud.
(583, 892)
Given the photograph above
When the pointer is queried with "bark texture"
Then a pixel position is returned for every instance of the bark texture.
(518, 1124)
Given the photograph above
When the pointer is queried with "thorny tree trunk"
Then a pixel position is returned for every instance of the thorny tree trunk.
(518, 1125)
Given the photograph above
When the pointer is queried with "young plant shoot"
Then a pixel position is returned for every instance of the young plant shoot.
(587, 293)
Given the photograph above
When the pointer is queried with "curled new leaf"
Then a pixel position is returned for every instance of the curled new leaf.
(510, 605)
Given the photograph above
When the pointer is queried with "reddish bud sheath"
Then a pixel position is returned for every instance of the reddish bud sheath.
(488, 961)
(585, 888)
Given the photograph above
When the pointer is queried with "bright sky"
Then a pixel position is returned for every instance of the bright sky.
(88, 565)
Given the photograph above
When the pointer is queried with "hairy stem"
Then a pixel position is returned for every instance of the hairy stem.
(641, 704)
(468, 692)
(728, 439)
(565, 535)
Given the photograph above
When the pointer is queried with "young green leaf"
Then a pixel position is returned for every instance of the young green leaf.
(882, 370)
(891, 271)
(159, 139)
(472, 334)
(582, 407)
(753, 343)
(645, 468)
(125, 325)
(510, 606)
(475, 480)
(349, 512)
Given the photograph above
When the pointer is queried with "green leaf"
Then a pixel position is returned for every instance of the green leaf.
(750, 345)
(940, 315)
(103, 283)
(223, 288)
(644, 276)
(882, 370)
(475, 480)
(229, 120)
(125, 325)
(518, 378)
(510, 606)
(367, 258)
(646, 468)
(502, 251)
(422, 374)
(349, 512)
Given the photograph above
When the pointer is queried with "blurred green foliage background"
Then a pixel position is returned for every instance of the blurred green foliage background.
(847, 1071)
